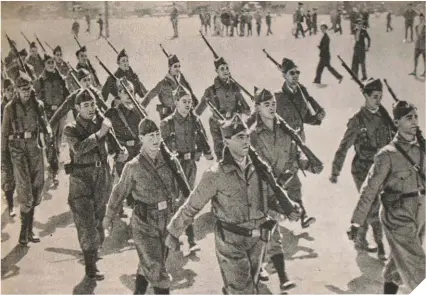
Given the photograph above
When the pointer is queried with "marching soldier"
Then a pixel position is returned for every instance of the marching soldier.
(268, 20)
(277, 148)
(85, 79)
(403, 201)
(125, 121)
(83, 63)
(7, 178)
(299, 15)
(368, 132)
(226, 96)
(50, 88)
(182, 133)
(20, 134)
(124, 70)
(240, 204)
(64, 69)
(90, 176)
(164, 89)
(151, 182)
(174, 17)
(359, 55)
(314, 21)
(294, 104)
(35, 60)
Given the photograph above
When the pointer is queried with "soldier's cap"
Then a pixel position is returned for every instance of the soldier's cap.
(323, 24)
(126, 83)
(180, 92)
(173, 59)
(7, 82)
(262, 95)
(219, 61)
(23, 52)
(23, 79)
(373, 85)
(57, 49)
(300, 3)
(287, 64)
(233, 126)
(147, 126)
(82, 73)
(33, 45)
(84, 95)
(122, 53)
(402, 108)
(82, 49)
(47, 57)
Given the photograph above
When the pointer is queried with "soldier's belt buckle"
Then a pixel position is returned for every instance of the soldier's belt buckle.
(27, 135)
(255, 233)
(130, 143)
(54, 107)
(187, 156)
(228, 115)
(98, 164)
(162, 205)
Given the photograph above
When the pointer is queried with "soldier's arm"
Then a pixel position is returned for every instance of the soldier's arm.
(6, 130)
(165, 133)
(200, 108)
(196, 201)
(347, 141)
(368, 39)
(372, 186)
(107, 88)
(79, 147)
(119, 192)
(140, 88)
(151, 94)
(63, 109)
(205, 148)
(245, 107)
(38, 89)
(316, 106)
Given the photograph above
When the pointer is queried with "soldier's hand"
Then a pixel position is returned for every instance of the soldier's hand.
(105, 127)
(352, 232)
(317, 169)
(172, 242)
(123, 155)
(333, 178)
(321, 115)
(209, 157)
(296, 214)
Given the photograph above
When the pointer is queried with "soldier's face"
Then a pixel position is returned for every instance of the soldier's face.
(409, 123)
(33, 51)
(238, 144)
(82, 57)
(292, 76)
(25, 92)
(86, 81)
(123, 63)
(8, 92)
(223, 72)
(87, 109)
(151, 141)
(58, 56)
(50, 65)
(184, 105)
(267, 109)
(125, 99)
(175, 69)
(373, 100)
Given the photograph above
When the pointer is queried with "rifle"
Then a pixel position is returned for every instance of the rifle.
(95, 77)
(198, 129)
(110, 44)
(41, 45)
(28, 41)
(170, 159)
(50, 47)
(266, 174)
(382, 109)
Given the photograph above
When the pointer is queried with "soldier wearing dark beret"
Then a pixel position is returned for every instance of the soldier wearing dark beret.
(35, 60)
(84, 63)
(402, 189)
(64, 69)
(124, 70)
(368, 131)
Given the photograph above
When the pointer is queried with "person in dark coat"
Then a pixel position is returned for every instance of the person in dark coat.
(360, 49)
(389, 21)
(314, 21)
(325, 57)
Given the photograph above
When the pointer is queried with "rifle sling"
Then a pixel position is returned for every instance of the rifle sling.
(409, 159)
(123, 119)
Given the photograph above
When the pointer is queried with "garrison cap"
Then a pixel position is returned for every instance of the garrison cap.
(402, 108)
(147, 126)
(84, 95)
(219, 61)
(373, 85)
(262, 95)
(23, 52)
(23, 79)
(56, 49)
(33, 45)
(122, 53)
(81, 73)
(180, 92)
(323, 24)
(7, 82)
(82, 49)
(287, 64)
(173, 59)
(231, 127)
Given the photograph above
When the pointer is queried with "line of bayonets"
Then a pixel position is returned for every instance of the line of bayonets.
(263, 168)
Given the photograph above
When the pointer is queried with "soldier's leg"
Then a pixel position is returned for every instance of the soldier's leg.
(8, 186)
(119, 166)
(355, 64)
(217, 139)
(319, 71)
(102, 191)
(334, 72)
(364, 68)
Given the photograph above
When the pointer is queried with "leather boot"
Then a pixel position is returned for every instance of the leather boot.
(279, 265)
(92, 271)
(32, 237)
(141, 284)
(305, 220)
(23, 235)
(161, 290)
(9, 198)
(390, 288)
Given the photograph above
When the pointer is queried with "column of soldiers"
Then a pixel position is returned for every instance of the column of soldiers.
(245, 203)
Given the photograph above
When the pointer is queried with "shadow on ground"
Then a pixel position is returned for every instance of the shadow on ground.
(9, 263)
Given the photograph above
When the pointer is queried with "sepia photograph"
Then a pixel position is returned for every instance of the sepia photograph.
(213, 147)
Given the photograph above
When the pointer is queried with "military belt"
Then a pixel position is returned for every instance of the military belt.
(238, 230)
(413, 194)
(96, 164)
(186, 156)
(129, 143)
(23, 135)
(163, 109)
(156, 206)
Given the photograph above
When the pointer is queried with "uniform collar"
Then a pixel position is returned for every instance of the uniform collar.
(288, 89)
(158, 161)
(369, 113)
(261, 126)
(399, 139)
(218, 83)
(84, 122)
(179, 117)
(228, 162)
(172, 78)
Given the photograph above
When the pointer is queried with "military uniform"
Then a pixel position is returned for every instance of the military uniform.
(88, 67)
(359, 55)
(110, 86)
(37, 63)
(13, 67)
(65, 71)
(20, 133)
(154, 189)
(368, 132)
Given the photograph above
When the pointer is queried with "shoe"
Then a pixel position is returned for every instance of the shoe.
(141, 284)
(390, 288)
(32, 237)
(307, 221)
(263, 275)
(92, 272)
(193, 247)
(381, 252)
(55, 179)
(365, 247)
(287, 285)
(413, 73)
(12, 212)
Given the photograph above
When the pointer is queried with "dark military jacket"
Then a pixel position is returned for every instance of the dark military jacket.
(110, 86)
(37, 63)
(91, 70)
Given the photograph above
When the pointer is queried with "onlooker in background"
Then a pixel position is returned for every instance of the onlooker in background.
(249, 20)
(314, 21)
(353, 19)
(419, 48)
(87, 16)
(258, 18)
(101, 26)
(174, 16)
(389, 21)
(75, 27)
(308, 22)
(268, 21)
(365, 17)
(409, 16)
(235, 19)
(338, 26)
(299, 20)
(243, 20)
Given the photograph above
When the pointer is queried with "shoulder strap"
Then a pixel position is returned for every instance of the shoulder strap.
(409, 159)
(123, 119)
